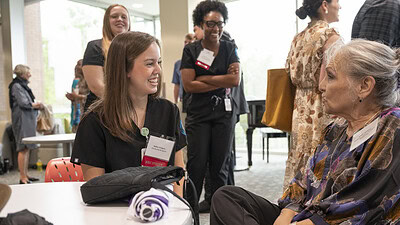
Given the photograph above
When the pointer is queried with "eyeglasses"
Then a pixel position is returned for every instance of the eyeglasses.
(211, 24)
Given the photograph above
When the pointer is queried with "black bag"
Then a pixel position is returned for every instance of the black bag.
(24, 217)
(127, 182)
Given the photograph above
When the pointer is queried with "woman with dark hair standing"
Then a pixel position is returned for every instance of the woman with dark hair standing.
(24, 113)
(112, 135)
(116, 21)
(210, 68)
(303, 64)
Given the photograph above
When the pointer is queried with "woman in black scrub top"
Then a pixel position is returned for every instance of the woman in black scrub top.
(110, 136)
(210, 67)
(115, 21)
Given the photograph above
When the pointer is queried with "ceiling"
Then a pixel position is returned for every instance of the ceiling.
(144, 8)
(148, 9)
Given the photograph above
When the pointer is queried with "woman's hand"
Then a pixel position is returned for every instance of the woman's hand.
(69, 96)
(285, 217)
(37, 105)
(74, 96)
(233, 69)
(305, 222)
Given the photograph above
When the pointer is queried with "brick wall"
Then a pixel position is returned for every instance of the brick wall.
(33, 37)
(4, 105)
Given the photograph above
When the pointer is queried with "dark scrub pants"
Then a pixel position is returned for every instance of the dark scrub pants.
(209, 135)
(235, 206)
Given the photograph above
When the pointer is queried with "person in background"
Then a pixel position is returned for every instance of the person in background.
(210, 68)
(304, 63)
(378, 21)
(77, 96)
(178, 89)
(116, 21)
(198, 35)
(176, 78)
(239, 107)
(352, 176)
(24, 111)
(113, 133)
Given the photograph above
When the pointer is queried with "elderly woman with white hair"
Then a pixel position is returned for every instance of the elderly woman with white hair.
(24, 112)
(353, 177)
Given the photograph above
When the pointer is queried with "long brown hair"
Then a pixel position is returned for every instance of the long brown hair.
(115, 109)
(108, 35)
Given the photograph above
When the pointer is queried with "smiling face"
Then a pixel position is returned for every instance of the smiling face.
(119, 20)
(212, 26)
(144, 76)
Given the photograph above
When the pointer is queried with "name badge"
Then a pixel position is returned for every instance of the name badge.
(228, 105)
(158, 151)
(205, 59)
(364, 134)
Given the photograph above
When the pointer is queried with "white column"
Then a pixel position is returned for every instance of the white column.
(14, 47)
(176, 22)
(17, 31)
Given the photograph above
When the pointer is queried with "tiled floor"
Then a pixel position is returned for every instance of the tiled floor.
(264, 179)
(12, 177)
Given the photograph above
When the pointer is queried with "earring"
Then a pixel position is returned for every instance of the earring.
(360, 99)
(326, 11)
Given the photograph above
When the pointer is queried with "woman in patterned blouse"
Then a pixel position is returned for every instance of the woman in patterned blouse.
(353, 177)
(304, 64)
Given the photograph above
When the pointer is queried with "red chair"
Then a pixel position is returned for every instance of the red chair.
(61, 169)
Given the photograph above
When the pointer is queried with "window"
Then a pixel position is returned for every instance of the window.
(263, 35)
(67, 27)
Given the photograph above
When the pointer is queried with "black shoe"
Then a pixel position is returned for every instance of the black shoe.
(27, 182)
(33, 179)
(204, 207)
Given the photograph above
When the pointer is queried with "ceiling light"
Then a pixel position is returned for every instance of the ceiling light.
(137, 5)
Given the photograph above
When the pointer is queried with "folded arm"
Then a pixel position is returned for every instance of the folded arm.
(232, 79)
(191, 85)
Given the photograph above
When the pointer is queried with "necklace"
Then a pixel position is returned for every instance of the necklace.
(372, 117)
(366, 123)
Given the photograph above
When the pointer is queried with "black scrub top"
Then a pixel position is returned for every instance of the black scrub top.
(95, 146)
(227, 54)
(93, 56)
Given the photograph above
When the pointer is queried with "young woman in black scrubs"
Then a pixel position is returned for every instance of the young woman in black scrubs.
(116, 21)
(210, 67)
(110, 137)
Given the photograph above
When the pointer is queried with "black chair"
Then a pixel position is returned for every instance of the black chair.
(269, 135)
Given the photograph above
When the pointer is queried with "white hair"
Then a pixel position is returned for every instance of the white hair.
(361, 58)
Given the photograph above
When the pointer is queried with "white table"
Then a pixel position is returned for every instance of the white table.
(66, 139)
(61, 203)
